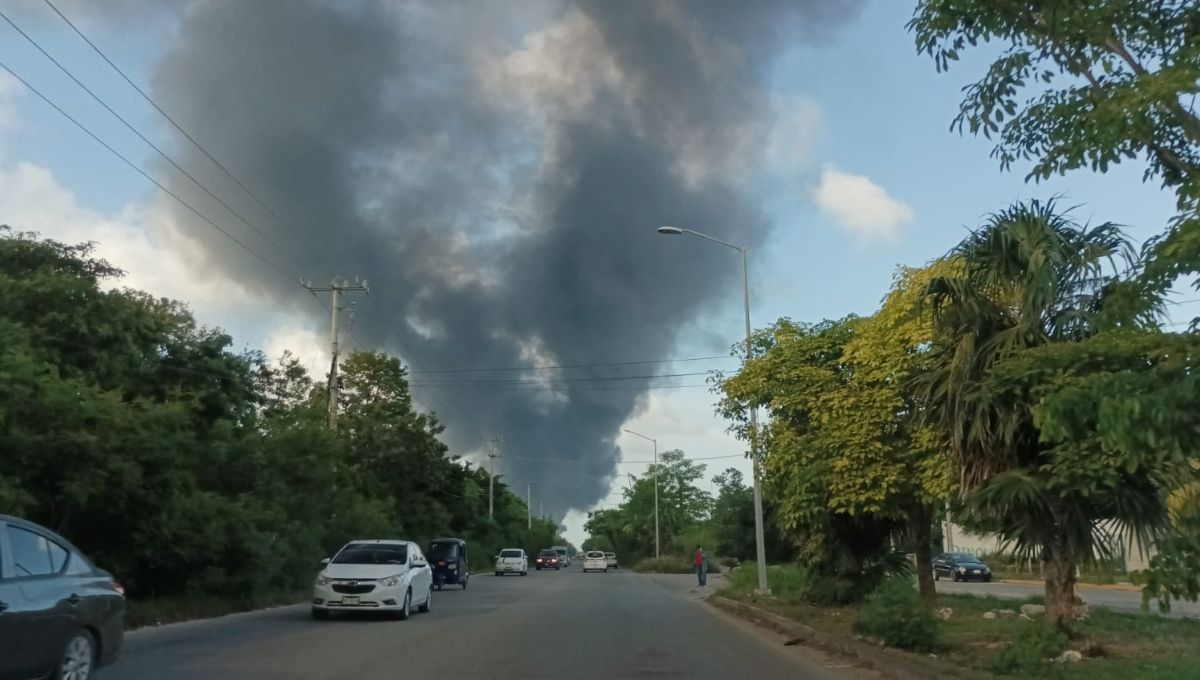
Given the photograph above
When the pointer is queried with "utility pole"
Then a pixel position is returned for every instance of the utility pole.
(335, 289)
(529, 505)
(492, 456)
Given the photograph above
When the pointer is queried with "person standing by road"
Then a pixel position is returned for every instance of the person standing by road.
(701, 564)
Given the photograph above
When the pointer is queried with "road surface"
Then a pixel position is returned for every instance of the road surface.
(547, 625)
(1116, 600)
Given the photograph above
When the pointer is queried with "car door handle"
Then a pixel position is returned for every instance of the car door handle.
(74, 600)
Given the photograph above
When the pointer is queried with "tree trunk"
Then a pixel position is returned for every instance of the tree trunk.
(920, 520)
(1059, 566)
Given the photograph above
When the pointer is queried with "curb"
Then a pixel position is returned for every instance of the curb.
(1123, 587)
(891, 663)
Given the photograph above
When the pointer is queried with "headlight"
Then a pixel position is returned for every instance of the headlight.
(322, 579)
(962, 570)
(452, 567)
(391, 581)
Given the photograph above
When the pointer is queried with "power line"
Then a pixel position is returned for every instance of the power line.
(561, 366)
(555, 381)
(620, 462)
(530, 388)
(142, 172)
(167, 116)
(141, 136)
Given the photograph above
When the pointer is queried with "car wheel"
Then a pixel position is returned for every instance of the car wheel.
(320, 614)
(464, 583)
(426, 606)
(525, 573)
(406, 608)
(954, 577)
(937, 575)
(78, 659)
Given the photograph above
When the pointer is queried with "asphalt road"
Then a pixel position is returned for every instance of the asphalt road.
(1116, 600)
(548, 625)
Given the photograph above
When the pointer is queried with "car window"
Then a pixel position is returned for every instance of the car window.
(510, 553)
(78, 565)
(372, 553)
(444, 551)
(31, 553)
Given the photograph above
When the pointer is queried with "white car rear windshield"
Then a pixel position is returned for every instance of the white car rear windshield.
(510, 553)
(595, 555)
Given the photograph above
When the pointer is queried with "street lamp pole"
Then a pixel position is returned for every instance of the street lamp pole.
(655, 442)
(759, 539)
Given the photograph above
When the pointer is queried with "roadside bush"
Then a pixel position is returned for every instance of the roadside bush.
(788, 581)
(672, 564)
(1027, 655)
(895, 614)
(831, 590)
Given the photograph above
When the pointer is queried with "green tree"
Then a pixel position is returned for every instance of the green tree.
(844, 459)
(1031, 280)
(1085, 84)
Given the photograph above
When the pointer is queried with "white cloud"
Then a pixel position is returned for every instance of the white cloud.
(159, 260)
(861, 206)
(309, 345)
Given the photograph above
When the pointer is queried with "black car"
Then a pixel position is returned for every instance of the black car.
(548, 559)
(960, 567)
(60, 616)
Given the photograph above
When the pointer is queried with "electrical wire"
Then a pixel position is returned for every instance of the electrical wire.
(143, 137)
(555, 381)
(142, 172)
(169, 119)
(565, 366)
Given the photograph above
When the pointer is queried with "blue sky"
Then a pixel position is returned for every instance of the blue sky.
(874, 114)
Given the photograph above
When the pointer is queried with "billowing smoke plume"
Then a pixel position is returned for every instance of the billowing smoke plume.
(497, 173)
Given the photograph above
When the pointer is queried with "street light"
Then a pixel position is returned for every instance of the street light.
(759, 547)
(655, 442)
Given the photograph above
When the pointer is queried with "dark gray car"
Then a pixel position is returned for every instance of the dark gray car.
(60, 617)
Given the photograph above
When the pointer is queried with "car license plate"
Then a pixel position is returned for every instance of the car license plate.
(977, 571)
(350, 600)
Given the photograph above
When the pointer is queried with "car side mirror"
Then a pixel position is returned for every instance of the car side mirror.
(325, 561)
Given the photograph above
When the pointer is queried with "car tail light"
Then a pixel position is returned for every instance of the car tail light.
(115, 587)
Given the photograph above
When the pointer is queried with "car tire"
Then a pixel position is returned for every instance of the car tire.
(406, 608)
(426, 606)
(937, 575)
(78, 658)
(499, 573)
(954, 577)
(464, 583)
(320, 614)
(525, 573)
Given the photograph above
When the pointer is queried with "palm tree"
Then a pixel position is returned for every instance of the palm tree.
(1029, 277)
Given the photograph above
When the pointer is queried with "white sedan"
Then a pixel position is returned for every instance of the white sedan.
(595, 560)
(374, 575)
(512, 561)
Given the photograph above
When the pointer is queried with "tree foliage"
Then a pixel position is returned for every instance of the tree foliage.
(1085, 85)
(188, 469)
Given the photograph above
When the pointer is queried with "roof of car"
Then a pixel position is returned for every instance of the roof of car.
(449, 540)
(382, 541)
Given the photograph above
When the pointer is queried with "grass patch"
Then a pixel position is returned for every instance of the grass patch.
(671, 564)
(158, 611)
(1116, 645)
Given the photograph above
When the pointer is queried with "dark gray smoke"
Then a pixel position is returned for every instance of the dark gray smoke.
(497, 171)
